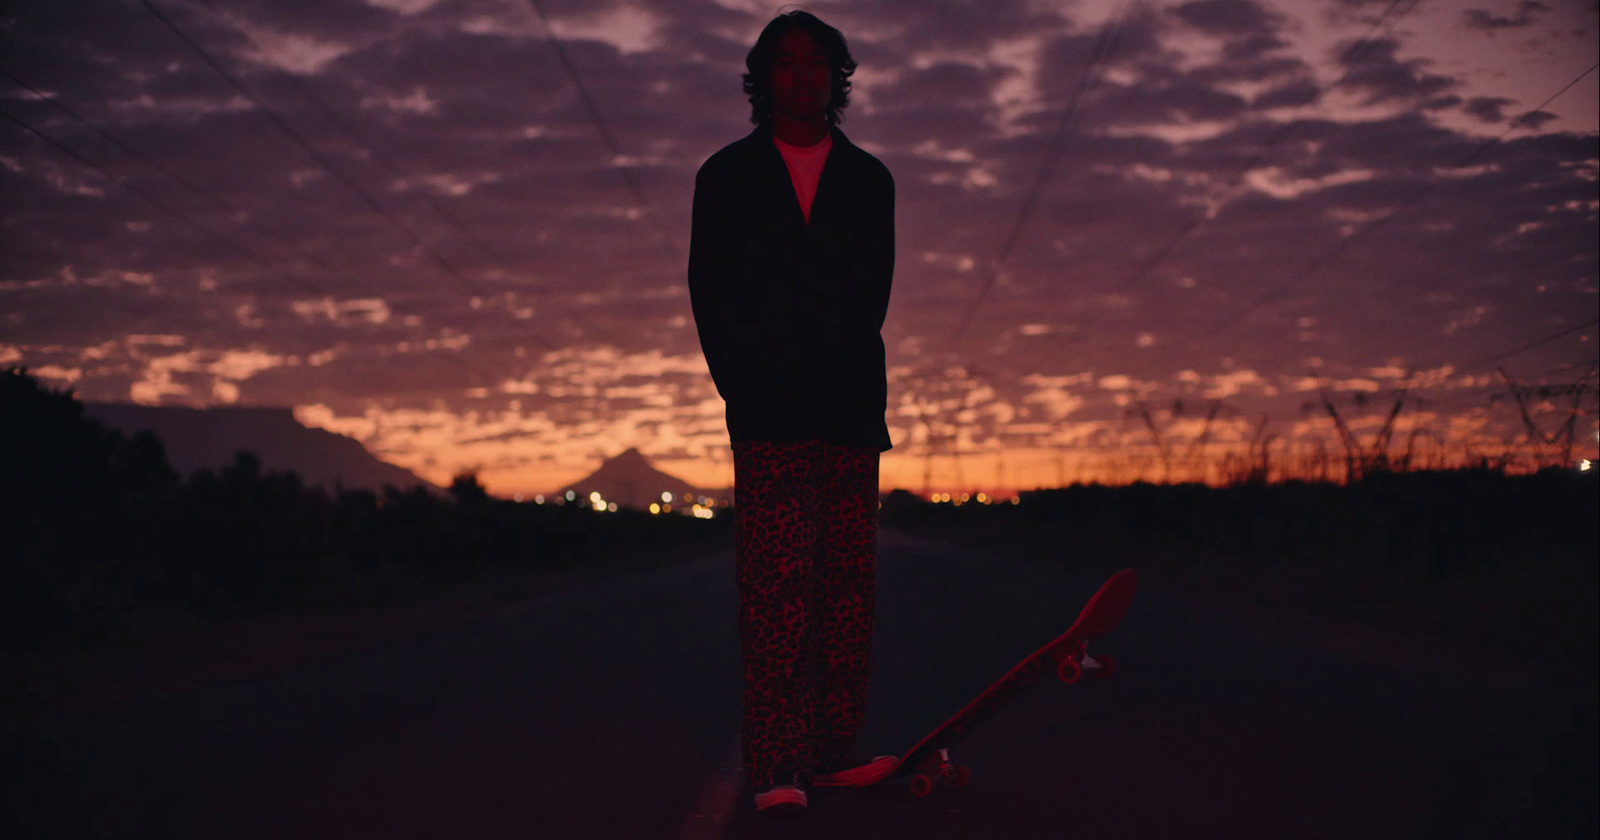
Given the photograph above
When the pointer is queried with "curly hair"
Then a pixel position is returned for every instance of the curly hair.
(758, 82)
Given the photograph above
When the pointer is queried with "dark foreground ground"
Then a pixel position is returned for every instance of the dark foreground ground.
(609, 709)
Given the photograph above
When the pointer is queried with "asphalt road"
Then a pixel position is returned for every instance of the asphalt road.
(611, 711)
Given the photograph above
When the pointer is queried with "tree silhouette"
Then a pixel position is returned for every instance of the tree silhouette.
(467, 490)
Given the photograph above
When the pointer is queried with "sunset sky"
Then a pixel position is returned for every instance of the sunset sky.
(457, 230)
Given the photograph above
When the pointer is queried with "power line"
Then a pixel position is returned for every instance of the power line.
(320, 159)
(1351, 57)
(186, 219)
(134, 153)
(221, 239)
(345, 128)
(208, 232)
(231, 245)
(1328, 257)
(381, 160)
(1104, 46)
(618, 159)
(1529, 346)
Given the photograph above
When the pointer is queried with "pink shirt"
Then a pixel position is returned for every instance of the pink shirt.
(805, 169)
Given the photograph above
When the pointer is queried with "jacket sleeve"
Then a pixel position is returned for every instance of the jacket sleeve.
(713, 281)
(872, 255)
(882, 267)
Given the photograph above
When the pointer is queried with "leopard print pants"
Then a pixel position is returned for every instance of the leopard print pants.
(807, 521)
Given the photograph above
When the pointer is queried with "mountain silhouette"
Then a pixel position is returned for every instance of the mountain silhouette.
(632, 481)
(209, 438)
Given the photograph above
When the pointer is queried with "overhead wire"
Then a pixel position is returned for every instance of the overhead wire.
(1532, 345)
(316, 156)
(1339, 249)
(1350, 59)
(1104, 45)
(345, 128)
(619, 160)
(366, 198)
(1329, 256)
(1100, 52)
(230, 244)
(127, 149)
(226, 242)
(326, 164)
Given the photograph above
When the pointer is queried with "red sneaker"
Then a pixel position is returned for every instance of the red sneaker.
(783, 798)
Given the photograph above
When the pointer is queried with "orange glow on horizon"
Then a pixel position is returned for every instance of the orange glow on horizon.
(998, 476)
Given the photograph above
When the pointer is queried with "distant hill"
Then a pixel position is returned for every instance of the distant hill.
(208, 438)
(631, 481)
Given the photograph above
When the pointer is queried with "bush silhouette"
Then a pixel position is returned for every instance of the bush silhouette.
(99, 528)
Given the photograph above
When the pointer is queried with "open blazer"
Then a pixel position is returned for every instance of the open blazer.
(789, 314)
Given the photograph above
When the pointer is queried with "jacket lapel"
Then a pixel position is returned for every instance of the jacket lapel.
(821, 203)
(775, 175)
(776, 183)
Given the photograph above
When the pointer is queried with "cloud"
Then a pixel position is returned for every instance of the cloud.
(481, 258)
(1488, 22)
(1535, 120)
(1487, 108)
(1227, 17)
(1379, 73)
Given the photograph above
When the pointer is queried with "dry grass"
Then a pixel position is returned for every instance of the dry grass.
(1533, 617)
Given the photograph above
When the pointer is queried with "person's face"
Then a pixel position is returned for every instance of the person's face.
(802, 78)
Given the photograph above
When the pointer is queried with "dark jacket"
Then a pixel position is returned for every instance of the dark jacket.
(790, 315)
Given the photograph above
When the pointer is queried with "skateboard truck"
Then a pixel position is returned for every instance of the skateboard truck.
(929, 762)
(1078, 661)
(937, 770)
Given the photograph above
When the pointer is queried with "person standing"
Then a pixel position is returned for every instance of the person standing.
(790, 259)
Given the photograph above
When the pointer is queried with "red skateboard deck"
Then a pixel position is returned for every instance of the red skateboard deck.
(929, 761)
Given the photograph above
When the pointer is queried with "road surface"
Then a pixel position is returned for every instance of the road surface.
(610, 710)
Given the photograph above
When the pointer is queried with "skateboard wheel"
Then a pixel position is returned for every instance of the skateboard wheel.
(1069, 671)
(960, 776)
(921, 785)
(1108, 666)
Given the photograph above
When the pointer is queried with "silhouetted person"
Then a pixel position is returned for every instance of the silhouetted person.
(789, 270)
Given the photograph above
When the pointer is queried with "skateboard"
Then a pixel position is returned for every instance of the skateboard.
(929, 762)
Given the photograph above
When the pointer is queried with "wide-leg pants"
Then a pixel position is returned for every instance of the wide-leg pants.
(807, 519)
